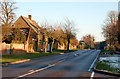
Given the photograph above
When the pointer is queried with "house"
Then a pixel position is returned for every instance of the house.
(61, 46)
(58, 46)
(72, 46)
(97, 45)
(34, 39)
(103, 45)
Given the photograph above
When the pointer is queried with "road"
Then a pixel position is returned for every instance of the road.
(78, 64)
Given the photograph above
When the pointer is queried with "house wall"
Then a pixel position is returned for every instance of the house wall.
(61, 46)
(39, 43)
(45, 43)
(72, 47)
(17, 48)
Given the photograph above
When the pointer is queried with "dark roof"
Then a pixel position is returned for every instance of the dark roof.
(32, 24)
(27, 24)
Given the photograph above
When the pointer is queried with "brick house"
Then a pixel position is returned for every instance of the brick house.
(62, 46)
(58, 45)
(32, 31)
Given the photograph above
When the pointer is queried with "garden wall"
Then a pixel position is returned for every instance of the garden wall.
(17, 48)
(14, 48)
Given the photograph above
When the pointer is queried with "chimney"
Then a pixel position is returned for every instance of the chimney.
(30, 17)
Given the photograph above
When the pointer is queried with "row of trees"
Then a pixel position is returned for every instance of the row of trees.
(111, 28)
(63, 32)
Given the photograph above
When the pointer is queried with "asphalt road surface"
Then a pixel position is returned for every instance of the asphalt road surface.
(78, 64)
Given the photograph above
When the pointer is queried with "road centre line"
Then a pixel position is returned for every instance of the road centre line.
(38, 70)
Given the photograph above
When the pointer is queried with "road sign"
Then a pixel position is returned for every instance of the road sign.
(81, 42)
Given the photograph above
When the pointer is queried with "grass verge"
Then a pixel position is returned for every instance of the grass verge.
(104, 66)
(13, 58)
(104, 50)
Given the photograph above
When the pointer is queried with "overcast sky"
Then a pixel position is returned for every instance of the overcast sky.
(87, 16)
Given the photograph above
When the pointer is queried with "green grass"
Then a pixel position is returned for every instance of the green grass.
(103, 66)
(118, 54)
(12, 58)
(107, 52)
(104, 50)
(106, 61)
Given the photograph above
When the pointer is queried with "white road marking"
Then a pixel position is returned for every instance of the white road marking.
(38, 70)
(75, 54)
(61, 61)
(92, 75)
(30, 70)
(93, 63)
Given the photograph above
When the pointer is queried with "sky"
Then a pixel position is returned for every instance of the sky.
(88, 17)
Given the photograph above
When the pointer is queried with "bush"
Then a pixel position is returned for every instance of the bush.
(18, 36)
(112, 50)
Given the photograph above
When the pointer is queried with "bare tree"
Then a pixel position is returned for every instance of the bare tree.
(118, 34)
(7, 16)
(110, 28)
(74, 41)
(53, 34)
(43, 32)
(89, 41)
(60, 33)
(69, 31)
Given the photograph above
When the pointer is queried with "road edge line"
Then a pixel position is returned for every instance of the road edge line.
(92, 75)
(93, 63)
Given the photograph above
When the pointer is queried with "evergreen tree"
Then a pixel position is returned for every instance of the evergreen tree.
(18, 36)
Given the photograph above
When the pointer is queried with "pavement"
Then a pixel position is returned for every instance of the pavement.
(78, 64)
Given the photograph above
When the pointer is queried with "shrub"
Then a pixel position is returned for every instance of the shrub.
(112, 50)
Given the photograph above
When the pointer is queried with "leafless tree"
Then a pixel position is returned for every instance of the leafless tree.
(62, 33)
(43, 32)
(89, 41)
(7, 16)
(118, 34)
(110, 27)
(53, 34)
(69, 31)
(7, 10)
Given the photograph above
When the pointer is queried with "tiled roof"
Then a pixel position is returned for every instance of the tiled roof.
(32, 24)
(24, 22)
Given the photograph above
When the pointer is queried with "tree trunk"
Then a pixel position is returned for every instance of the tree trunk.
(118, 36)
(43, 43)
(51, 46)
(68, 43)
